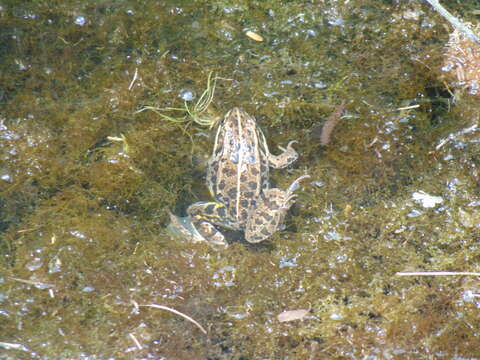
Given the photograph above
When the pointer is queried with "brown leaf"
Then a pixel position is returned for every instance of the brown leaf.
(254, 36)
(291, 315)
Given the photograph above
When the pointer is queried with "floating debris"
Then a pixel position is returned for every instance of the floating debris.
(195, 113)
(291, 315)
(135, 77)
(254, 36)
(162, 307)
(462, 62)
(457, 24)
(426, 200)
(13, 346)
(332, 121)
(438, 273)
(137, 343)
(38, 284)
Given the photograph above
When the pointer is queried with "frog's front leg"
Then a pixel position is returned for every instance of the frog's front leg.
(288, 156)
(204, 215)
(269, 214)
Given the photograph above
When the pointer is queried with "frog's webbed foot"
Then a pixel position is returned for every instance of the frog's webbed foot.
(296, 184)
(214, 237)
(184, 228)
(288, 156)
(289, 146)
(203, 215)
(268, 216)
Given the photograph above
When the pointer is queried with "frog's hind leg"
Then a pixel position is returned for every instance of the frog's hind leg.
(203, 216)
(288, 156)
(268, 216)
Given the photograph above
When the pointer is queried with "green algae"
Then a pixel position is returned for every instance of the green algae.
(87, 214)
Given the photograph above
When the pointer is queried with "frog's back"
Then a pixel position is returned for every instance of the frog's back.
(238, 170)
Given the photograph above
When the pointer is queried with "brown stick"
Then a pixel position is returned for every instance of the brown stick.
(333, 119)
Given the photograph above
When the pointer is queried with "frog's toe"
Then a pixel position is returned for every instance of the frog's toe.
(218, 243)
(289, 146)
(296, 184)
(213, 236)
(184, 228)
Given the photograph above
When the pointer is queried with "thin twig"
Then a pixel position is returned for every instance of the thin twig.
(408, 107)
(133, 80)
(12, 346)
(137, 343)
(37, 284)
(438, 273)
(457, 24)
(178, 313)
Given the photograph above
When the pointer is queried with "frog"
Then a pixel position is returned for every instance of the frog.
(238, 177)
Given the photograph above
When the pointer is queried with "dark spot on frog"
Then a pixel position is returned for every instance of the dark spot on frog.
(228, 172)
(222, 211)
(210, 209)
(267, 217)
(219, 146)
(221, 185)
(249, 195)
(214, 168)
(266, 202)
(252, 185)
(244, 214)
(213, 179)
(265, 232)
(232, 193)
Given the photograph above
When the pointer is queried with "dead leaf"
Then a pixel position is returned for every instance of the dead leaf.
(254, 36)
(291, 315)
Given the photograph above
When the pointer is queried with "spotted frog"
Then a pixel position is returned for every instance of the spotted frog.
(238, 179)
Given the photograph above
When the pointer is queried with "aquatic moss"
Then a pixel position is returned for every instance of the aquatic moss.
(86, 180)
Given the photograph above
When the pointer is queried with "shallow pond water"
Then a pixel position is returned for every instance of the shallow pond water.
(89, 169)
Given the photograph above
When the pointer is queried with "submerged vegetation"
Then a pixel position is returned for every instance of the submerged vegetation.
(95, 99)
(195, 114)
